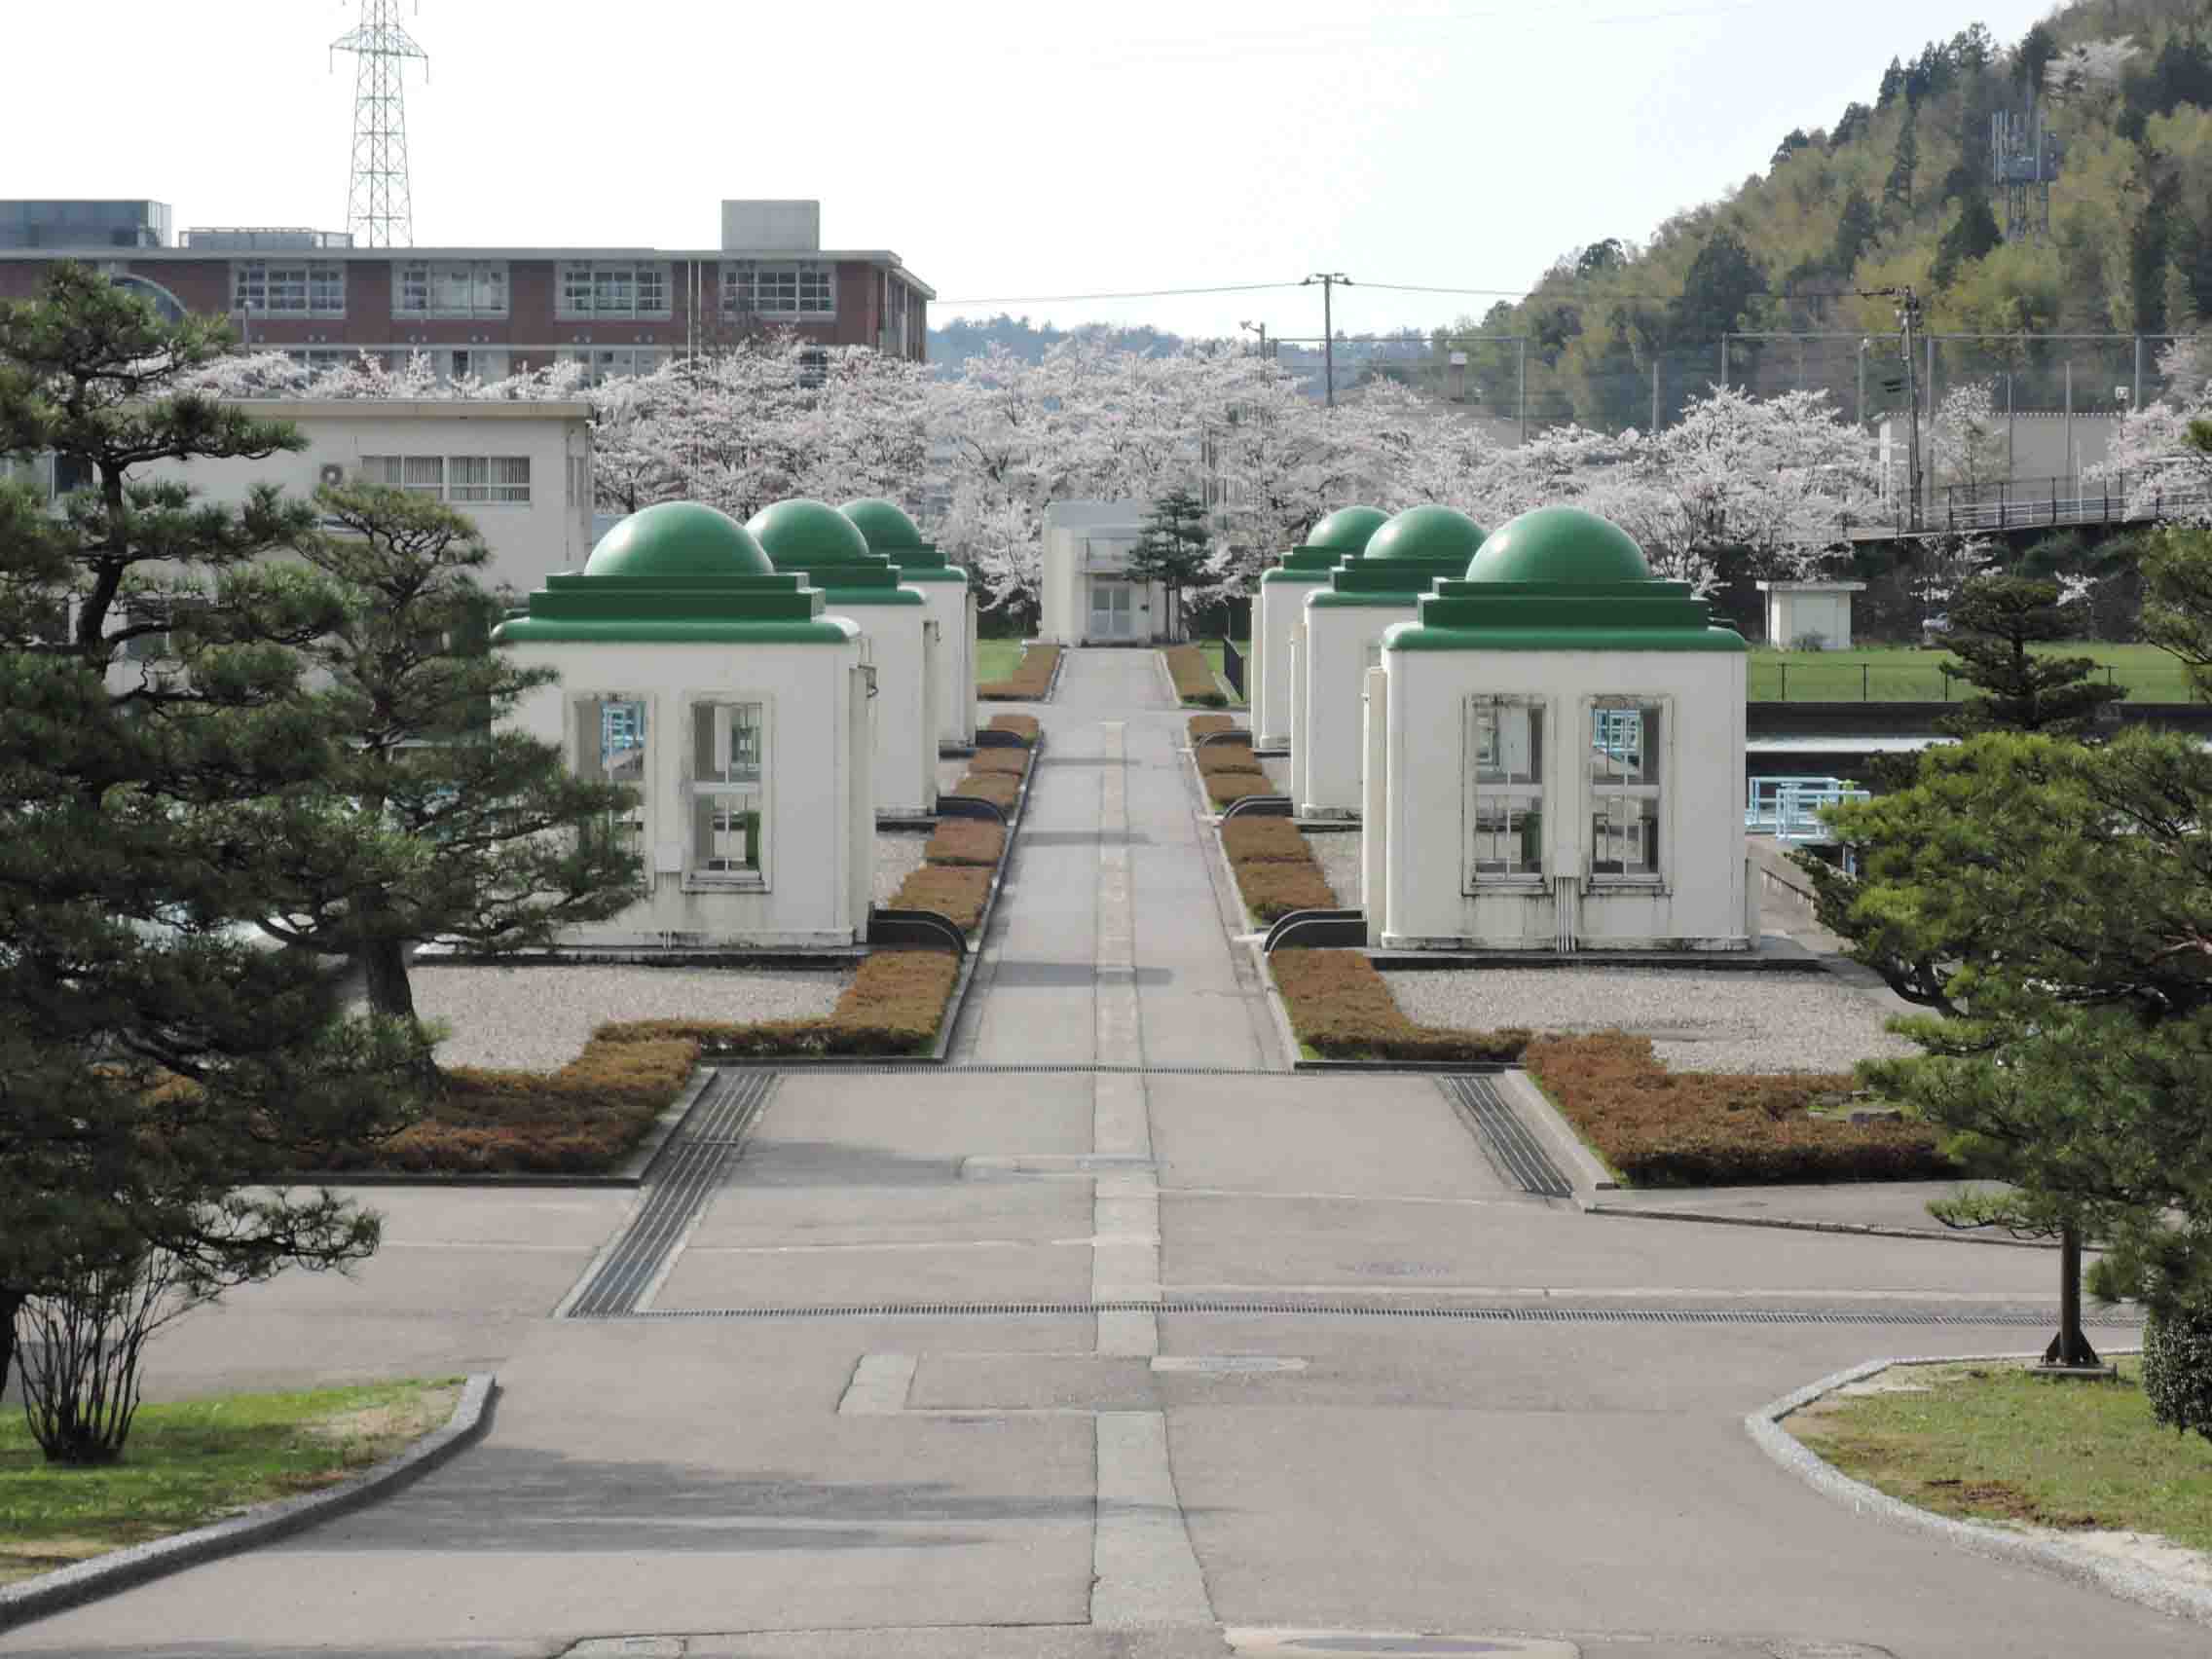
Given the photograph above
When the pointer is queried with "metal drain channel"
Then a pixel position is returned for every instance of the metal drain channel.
(697, 1158)
(959, 1068)
(1538, 1314)
(1511, 1148)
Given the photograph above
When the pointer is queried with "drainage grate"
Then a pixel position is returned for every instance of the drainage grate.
(1016, 1069)
(1505, 1139)
(1543, 1314)
(690, 1169)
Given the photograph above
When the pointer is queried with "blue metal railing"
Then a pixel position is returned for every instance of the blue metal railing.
(1789, 808)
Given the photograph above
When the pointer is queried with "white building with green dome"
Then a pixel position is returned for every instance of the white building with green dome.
(1342, 639)
(1278, 612)
(1556, 756)
(815, 540)
(721, 689)
(950, 602)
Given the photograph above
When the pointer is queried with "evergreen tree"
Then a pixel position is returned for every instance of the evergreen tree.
(1893, 84)
(1898, 187)
(2037, 48)
(1994, 621)
(158, 1054)
(1971, 236)
(439, 824)
(1855, 230)
(1718, 288)
(1172, 549)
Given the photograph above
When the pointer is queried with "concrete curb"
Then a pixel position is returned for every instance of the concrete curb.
(106, 1575)
(1586, 1171)
(1856, 1229)
(2068, 1560)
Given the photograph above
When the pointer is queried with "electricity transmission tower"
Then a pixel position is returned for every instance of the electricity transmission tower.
(379, 210)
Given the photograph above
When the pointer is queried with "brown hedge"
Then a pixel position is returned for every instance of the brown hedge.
(1217, 759)
(1663, 1128)
(1341, 1009)
(1023, 726)
(966, 842)
(1271, 891)
(1264, 840)
(954, 891)
(892, 1007)
(1009, 761)
(1205, 725)
(1224, 788)
(1001, 790)
(1194, 679)
(1030, 681)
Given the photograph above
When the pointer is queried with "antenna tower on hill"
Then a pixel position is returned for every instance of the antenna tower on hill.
(379, 210)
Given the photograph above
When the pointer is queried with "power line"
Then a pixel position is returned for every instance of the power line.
(1138, 294)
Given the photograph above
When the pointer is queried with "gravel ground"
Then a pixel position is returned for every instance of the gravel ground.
(1336, 852)
(1714, 1022)
(950, 771)
(541, 1017)
(898, 855)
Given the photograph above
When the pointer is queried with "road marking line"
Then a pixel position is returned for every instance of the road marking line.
(1143, 1571)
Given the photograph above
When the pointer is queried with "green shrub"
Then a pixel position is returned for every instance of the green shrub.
(2177, 1367)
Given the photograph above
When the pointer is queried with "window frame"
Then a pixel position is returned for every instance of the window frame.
(638, 827)
(427, 278)
(579, 289)
(780, 288)
(1655, 762)
(695, 791)
(1540, 788)
(310, 287)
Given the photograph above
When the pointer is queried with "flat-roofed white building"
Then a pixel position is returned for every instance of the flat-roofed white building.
(1088, 598)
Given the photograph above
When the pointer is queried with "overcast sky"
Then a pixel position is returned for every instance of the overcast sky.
(1007, 152)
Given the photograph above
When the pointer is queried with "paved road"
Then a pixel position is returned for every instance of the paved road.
(833, 1480)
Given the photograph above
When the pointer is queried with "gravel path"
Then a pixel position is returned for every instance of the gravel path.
(541, 1017)
(898, 855)
(1714, 1022)
(1336, 852)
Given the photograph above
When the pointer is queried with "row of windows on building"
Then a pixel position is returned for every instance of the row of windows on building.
(1507, 788)
(464, 479)
(489, 363)
(586, 289)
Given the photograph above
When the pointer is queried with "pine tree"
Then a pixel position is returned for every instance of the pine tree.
(1171, 549)
(1994, 621)
(441, 825)
(1898, 187)
(1855, 230)
(158, 1054)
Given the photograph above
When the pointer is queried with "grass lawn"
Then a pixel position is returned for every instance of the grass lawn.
(1903, 674)
(997, 659)
(1988, 1442)
(198, 1462)
(1212, 651)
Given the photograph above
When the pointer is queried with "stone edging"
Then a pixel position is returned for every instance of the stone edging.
(121, 1569)
(2059, 1555)
(1856, 1229)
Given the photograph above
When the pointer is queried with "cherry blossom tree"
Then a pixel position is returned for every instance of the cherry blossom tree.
(2166, 475)
(1966, 439)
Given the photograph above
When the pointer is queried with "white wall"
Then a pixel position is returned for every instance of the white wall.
(528, 540)
(903, 648)
(1338, 653)
(820, 847)
(1087, 543)
(1699, 902)
(1276, 615)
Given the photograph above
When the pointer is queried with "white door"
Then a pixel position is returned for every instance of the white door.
(1111, 615)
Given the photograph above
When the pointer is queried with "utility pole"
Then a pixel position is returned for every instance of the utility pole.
(1908, 317)
(1328, 280)
(1261, 329)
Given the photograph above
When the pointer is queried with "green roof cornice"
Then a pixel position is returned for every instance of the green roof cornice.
(678, 604)
(1648, 615)
(1380, 581)
(533, 630)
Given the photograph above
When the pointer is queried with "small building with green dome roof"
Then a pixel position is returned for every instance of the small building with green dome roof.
(1341, 635)
(1555, 757)
(737, 706)
(950, 602)
(817, 541)
(1278, 612)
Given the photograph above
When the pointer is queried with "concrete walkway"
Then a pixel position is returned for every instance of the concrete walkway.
(769, 1463)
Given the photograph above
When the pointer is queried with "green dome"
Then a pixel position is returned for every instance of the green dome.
(679, 539)
(887, 530)
(1431, 535)
(1559, 544)
(808, 536)
(1347, 530)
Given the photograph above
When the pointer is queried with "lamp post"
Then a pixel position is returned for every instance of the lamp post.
(1261, 329)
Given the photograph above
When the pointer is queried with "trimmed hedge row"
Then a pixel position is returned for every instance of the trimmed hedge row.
(1663, 1128)
(966, 842)
(1194, 677)
(956, 892)
(1341, 1009)
(1264, 840)
(1226, 789)
(1215, 759)
(892, 1007)
(1030, 681)
(1205, 726)
(1023, 726)
(1275, 871)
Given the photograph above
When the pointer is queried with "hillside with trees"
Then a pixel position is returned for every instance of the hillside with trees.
(1899, 190)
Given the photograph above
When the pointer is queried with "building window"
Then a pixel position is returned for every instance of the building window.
(1504, 773)
(320, 360)
(602, 363)
(424, 474)
(274, 287)
(608, 745)
(726, 792)
(764, 288)
(448, 288)
(613, 288)
(1626, 753)
(496, 478)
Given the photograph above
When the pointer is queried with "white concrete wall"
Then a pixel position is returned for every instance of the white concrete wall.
(528, 540)
(1338, 653)
(905, 705)
(953, 611)
(1084, 543)
(1698, 903)
(1277, 613)
(819, 849)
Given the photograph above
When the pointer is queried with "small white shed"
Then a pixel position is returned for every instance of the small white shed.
(1817, 615)
(718, 688)
(1088, 595)
(1556, 757)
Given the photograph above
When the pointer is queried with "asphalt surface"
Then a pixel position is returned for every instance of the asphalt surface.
(765, 1462)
